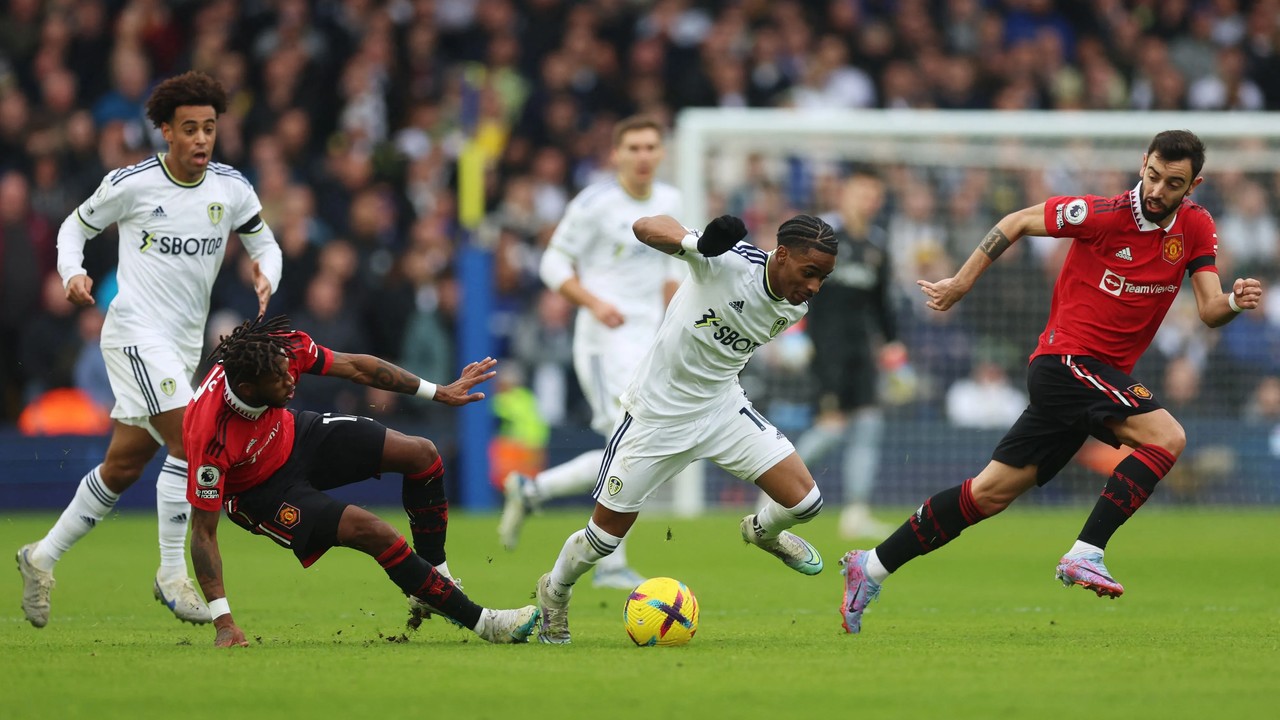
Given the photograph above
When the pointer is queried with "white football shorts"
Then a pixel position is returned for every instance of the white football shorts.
(148, 380)
(639, 458)
(604, 375)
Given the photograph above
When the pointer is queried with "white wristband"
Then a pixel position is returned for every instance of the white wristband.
(219, 607)
(690, 243)
(1231, 300)
(426, 391)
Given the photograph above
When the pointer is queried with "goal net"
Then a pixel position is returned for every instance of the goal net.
(948, 177)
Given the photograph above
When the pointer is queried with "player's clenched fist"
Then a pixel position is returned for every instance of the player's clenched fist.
(721, 234)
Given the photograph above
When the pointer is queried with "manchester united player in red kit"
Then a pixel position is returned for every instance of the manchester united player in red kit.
(1118, 281)
(269, 468)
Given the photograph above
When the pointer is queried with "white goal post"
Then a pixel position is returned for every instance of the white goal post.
(947, 137)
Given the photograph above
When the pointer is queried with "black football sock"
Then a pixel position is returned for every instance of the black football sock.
(1129, 486)
(938, 521)
(415, 576)
(428, 509)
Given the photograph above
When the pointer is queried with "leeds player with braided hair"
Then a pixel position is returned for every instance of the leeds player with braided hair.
(175, 213)
(684, 402)
(1125, 266)
(269, 468)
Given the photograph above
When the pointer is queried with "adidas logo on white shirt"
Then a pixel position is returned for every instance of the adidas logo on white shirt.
(737, 306)
(158, 212)
(1125, 254)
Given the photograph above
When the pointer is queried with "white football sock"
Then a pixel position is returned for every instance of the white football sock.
(616, 560)
(774, 518)
(876, 569)
(1084, 548)
(576, 477)
(173, 514)
(581, 551)
(91, 503)
(443, 569)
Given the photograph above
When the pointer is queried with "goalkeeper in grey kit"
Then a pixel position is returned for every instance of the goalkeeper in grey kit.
(685, 404)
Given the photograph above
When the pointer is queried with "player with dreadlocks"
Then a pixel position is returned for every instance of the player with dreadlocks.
(269, 467)
(684, 402)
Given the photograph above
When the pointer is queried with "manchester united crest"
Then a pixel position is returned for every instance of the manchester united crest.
(1140, 391)
(1173, 248)
(288, 515)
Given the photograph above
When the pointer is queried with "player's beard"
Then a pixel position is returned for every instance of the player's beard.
(1157, 218)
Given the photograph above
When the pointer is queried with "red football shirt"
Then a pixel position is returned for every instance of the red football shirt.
(233, 446)
(1121, 274)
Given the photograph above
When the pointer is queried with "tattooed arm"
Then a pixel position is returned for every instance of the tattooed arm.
(378, 373)
(948, 291)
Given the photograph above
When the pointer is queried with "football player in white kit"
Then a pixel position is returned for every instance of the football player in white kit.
(684, 402)
(621, 288)
(174, 212)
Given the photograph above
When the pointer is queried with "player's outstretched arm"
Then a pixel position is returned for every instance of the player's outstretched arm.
(378, 373)
(459, 392)
(665, 233)
(1218, 308)
(206, 559)
(949, 291)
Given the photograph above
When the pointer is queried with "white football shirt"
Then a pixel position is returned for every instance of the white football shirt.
(173, 237)
(595, 237)
(715, 323)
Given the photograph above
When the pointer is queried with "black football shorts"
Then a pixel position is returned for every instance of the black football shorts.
(1072, 397)
(290, 507)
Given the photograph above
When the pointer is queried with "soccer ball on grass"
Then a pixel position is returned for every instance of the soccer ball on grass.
(661, 611)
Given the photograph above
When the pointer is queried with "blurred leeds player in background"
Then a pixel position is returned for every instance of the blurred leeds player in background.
(621, 288)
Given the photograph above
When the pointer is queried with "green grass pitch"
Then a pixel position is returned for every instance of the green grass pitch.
(979, 629)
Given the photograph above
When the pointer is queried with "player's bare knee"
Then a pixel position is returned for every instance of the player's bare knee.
(994, 494)
(991, 499)
(368, 533)
(1172, 438)
(408, 453)
(427, 451)
(118, 474)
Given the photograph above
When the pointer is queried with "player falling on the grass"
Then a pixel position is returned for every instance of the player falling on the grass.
(685, 404)
(1118, 281)
(270, 467)
(175, 212)
(621, 289)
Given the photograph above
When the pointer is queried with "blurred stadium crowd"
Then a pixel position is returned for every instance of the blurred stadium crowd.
(348, 117)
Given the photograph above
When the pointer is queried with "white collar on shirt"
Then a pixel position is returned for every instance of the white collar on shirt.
(241, 407)
(1135, 204)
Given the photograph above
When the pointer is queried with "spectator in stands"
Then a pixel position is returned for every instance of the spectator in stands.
(50, 343)
(986, 399)
(26, 247)
(1248, 236)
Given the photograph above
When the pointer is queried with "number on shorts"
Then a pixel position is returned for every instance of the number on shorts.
(752, 416)
(336, 417)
